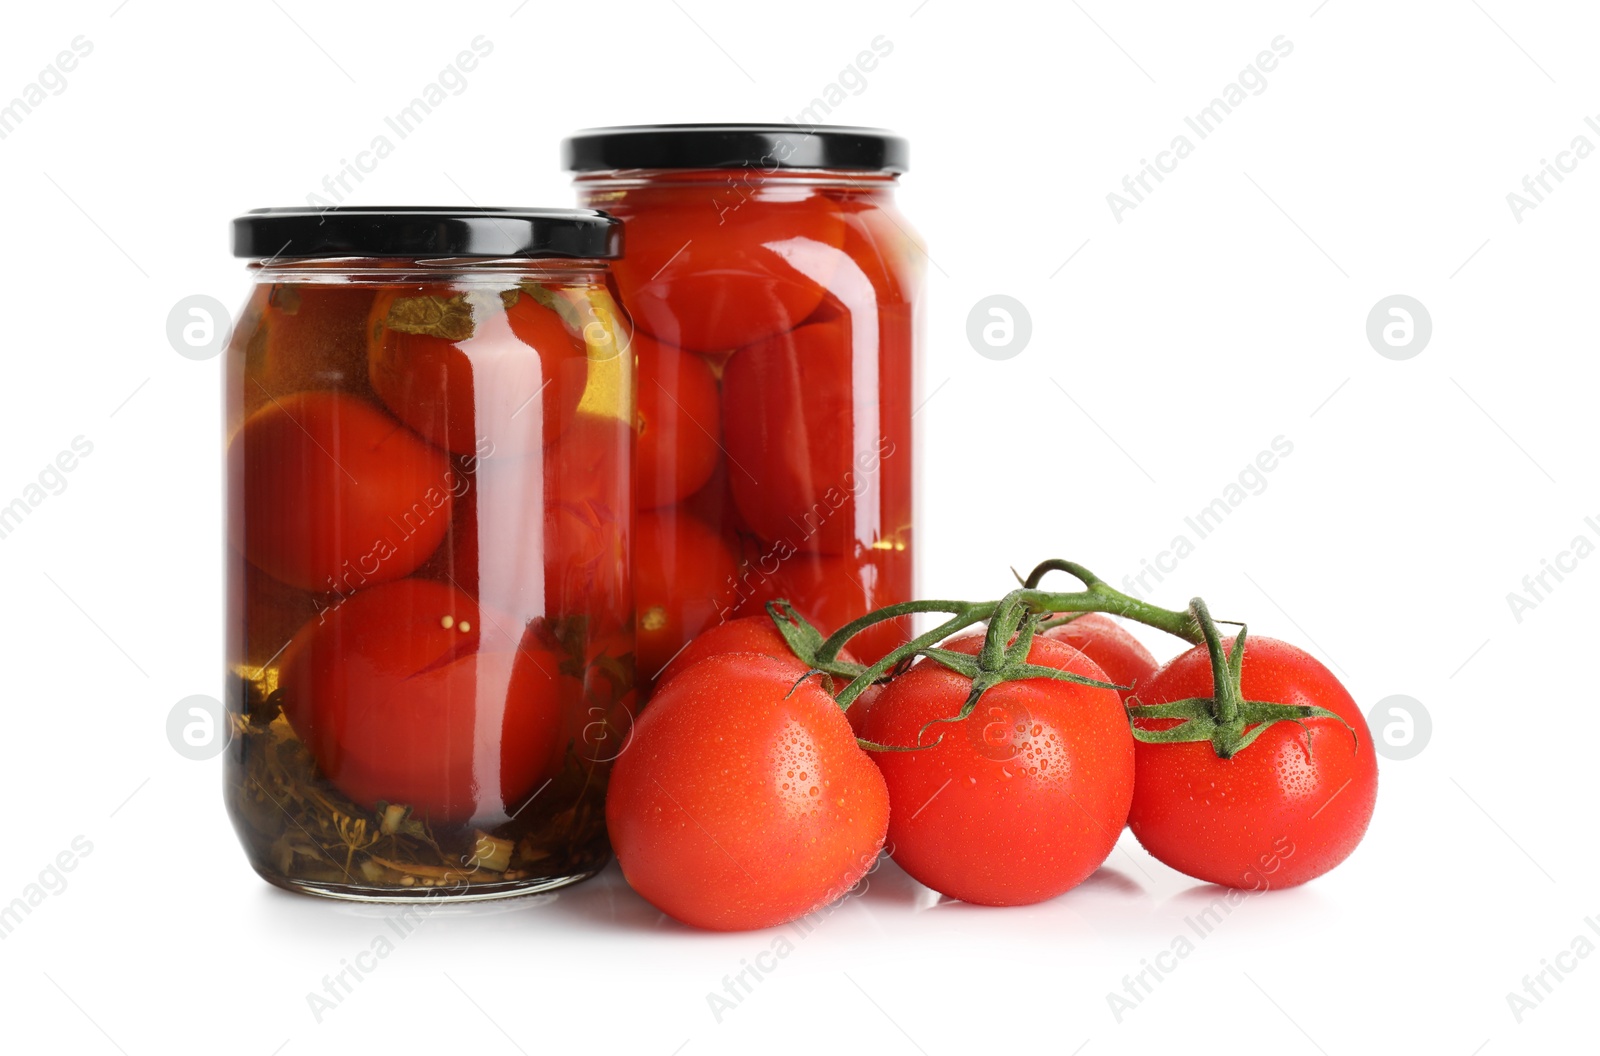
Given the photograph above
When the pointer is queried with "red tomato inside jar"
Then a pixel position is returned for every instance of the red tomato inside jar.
(774, 288)
(430, 423)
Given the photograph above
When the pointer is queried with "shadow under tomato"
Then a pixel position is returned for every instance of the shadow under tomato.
(1268, 907)
(1112, 881)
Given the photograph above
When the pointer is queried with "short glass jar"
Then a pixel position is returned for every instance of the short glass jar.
(774, 290)
(430, 613)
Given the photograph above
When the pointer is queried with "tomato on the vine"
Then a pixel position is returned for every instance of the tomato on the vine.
(1018, 802)
(470, 373)
(335, 493)
(743, 800)
(406, 693)
(747, 634)
(680, 423)
(1118, 653)
(1282, 810)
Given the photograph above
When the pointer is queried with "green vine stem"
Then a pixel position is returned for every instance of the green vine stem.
(1029, 601)
(1226, 719)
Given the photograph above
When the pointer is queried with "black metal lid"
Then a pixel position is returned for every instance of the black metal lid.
(425, 231)
(735, 147)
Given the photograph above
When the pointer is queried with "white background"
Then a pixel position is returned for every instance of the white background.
(1167, 350)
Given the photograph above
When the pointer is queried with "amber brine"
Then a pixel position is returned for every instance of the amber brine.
(429, 479)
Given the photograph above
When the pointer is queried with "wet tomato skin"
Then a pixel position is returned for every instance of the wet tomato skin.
(747, 634)
(1017, 803)
(1276, 814)
(336, 493)
(743, 800)
(1119, 654)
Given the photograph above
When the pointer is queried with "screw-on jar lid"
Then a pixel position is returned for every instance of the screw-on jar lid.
(735, 147)
(425, 231)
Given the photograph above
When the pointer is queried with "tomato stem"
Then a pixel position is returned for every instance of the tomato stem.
(1224, 688)
(1100, 596)
(965, 615)
(1006, 615)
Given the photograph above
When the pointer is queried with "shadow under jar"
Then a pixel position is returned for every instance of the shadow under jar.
(430, 613)
(774, 289)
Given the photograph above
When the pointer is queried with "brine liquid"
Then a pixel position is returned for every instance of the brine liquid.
(430, 646)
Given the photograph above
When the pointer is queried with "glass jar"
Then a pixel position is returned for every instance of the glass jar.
(774, 291)
(430, 636)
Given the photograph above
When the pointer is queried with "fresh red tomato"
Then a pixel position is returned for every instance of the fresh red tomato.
(1020, 801)
(336, 495)
(680, 423)
(683, 574)
(471, 374)
(403, 695)
(1281, 811)
(789, 426)
(709, 271)
(743, 800)
(1118, 653)
(748, 634)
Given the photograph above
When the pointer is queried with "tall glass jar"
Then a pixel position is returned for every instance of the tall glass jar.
(774, 288)
(430, 637)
